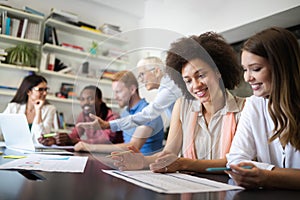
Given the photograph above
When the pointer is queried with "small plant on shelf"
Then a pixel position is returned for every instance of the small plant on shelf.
(94, 48)
(22, 54)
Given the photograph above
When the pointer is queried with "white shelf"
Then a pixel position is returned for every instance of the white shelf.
(11, 93)
(79, 54)
(74, 77)
(7, 92)
(22, 13)
(72, 29)
(17, 40)
(25, 68)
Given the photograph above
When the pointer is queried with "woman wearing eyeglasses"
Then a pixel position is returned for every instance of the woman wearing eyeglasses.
(30, 99)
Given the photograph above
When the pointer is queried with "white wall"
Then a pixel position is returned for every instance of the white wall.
(196, 16)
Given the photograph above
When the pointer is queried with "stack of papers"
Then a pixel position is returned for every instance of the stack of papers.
(171, 182)
(48, 163)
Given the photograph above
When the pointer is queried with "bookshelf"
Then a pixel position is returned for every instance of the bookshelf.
(64, 37)
(72, 58)
(11, 74)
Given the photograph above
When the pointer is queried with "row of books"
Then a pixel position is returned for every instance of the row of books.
(19, 27)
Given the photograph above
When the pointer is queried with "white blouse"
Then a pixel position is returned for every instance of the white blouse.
(251, 139)
(48, 114)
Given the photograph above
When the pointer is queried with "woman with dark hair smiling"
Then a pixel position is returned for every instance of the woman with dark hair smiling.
(30, 99)
(203, 121)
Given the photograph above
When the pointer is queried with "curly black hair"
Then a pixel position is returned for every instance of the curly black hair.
(209, 47)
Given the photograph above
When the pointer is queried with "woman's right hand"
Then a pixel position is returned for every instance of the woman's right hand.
(133, 160)
(97, 124)
(48, 141)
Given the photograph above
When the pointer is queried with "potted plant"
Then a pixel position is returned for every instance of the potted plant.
(22, 54)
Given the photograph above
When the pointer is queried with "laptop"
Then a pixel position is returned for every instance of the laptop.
(17, 136)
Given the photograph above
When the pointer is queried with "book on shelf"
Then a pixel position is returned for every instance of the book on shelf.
(65, 70)
(54, 36)
(110, 29)
(24, 28)
(64, 16)
(2, 58)
(48, 35)
(60, 120)
(72, 46)
(51, 62)
(7, 26)
(90, 29)
(33, 31)
(59, 65)
(15, 24)
(3, 52)
(44, 60)
(33, 11)
(3, 55)
(3, 21)
(81, 23)
(20, 28)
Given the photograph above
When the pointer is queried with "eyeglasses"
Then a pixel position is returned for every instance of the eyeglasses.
(45, 89)
(141, 74)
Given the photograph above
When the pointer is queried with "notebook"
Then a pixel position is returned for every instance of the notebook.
(17, 135)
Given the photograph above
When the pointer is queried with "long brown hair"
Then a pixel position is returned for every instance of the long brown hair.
(281, 49)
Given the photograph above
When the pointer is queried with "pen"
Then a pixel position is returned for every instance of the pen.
(49, 135)
(215, 169)
(119, 153)
(14, 156)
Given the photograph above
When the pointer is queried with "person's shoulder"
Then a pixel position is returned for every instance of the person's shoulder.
(12, 105)
(254, 99)
(256, 103)
(143, 102)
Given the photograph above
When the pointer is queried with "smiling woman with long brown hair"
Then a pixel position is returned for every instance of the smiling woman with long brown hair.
(269, 128)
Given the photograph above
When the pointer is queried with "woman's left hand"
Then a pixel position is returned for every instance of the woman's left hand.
(248, 178)
(38, 104)
(166, 162)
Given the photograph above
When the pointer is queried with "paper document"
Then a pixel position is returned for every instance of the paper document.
(171, 182)
(48, 163)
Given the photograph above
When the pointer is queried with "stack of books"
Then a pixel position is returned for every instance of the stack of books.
(110, 29)
(63, 16)
(3, 55)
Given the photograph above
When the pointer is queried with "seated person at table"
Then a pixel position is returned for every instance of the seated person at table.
(30, 99)
(204, 120)
(90, 102)
(151, 72)
(268, 134)
(149, 137)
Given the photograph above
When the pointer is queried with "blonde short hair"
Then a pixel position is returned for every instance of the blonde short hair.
(150, 60)
(127, 77)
